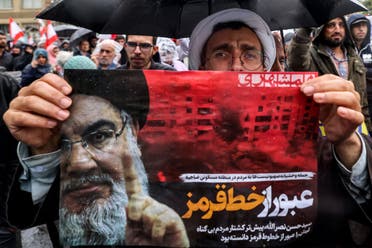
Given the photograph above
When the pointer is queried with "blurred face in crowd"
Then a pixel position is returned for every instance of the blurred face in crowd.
(233, 50)
(55, 51)
(29, 49)
(106, 55)
(96, 149)
(121, 41)
(84, 46)
(140, 50)
(359, 31)
(16, 50)
(2, 41)
(41, 60)
(334, 32)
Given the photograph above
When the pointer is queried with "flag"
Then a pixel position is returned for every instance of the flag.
(15, 31)
(42, 30)
(30, 41)
(51, 35)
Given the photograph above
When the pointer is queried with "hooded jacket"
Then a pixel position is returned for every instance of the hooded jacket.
(305, 55)
(365, 53)
(30, 74)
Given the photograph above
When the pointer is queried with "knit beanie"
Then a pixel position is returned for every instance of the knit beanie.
(80, 62)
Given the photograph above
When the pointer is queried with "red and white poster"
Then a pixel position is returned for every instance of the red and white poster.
(232, 153)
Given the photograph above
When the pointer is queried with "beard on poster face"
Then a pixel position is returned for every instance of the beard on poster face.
(97, 224)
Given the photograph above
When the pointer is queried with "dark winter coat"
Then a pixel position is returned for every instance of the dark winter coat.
(30, 74)
(365, 53)
(305, 55)
(8, 157)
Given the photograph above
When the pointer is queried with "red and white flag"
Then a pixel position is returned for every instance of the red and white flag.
(42, 30)
(15, 31)
(30, 41)
(51, 35)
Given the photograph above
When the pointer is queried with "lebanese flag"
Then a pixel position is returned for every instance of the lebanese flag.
(51, 35)
(15, 31)
(42, 30)
(30, 41)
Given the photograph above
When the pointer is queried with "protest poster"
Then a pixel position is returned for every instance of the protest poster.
(232, 153)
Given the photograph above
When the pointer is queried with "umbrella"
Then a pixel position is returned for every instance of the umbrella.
(177, 18)
(64, 30)
(81, 34)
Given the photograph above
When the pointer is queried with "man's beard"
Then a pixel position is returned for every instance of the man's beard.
(332, 43)
(97, 224)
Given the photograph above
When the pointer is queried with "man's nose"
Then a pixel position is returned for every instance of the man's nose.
(137, 49)
(81, 159)
(236, 64)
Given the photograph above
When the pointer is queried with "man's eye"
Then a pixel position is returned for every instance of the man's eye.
(220, 55)
(100, 137)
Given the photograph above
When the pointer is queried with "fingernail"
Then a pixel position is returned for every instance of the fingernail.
(62, 114)
(319, 97)
(51, 124)
(66, 90)
(308, 90)
(65, 102)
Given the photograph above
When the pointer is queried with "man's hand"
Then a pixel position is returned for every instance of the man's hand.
(340, 113)
(33, 116)
(150, 222)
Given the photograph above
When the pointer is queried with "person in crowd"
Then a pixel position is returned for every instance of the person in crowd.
(61, 59)
(53, 51)
(280, 62)
(16, 50)
(8, 160)
(123, 55)
(120, 39)
(107, 55)
(21, 61)
(169, 55)
(6, 59)
(183, 50)
(38, 67)
(287, 39)
(330, 51)
(218, 42)
(83, 49)
(344, 157)
(360, 29)
(140, 50)
(92, 42)
(65, 46)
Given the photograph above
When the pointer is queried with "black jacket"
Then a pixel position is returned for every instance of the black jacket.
(8, 158)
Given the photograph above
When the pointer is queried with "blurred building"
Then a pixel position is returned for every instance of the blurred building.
(23, 12)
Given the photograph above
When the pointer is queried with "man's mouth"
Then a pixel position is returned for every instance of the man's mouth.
(88, 190)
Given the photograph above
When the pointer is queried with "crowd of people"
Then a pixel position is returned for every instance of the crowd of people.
(230, 40)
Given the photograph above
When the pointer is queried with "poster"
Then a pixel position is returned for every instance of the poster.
(233, 154)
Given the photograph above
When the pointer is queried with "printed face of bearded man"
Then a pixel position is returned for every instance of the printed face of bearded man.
(98, 142)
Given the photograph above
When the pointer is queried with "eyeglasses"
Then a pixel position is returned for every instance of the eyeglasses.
(93, 142)
(251, 59)
(142, 45)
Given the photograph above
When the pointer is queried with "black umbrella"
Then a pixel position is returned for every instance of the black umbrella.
(64, 30)
(177, 18)
(79, 35)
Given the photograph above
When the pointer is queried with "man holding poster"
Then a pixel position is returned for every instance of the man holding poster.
(39, 108)
(239, 40)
